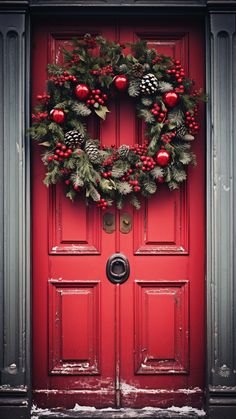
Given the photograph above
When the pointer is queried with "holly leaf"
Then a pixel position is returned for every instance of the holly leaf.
(45, 144)
(102, 112)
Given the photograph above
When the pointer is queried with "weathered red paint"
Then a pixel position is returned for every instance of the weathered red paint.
(140, 343)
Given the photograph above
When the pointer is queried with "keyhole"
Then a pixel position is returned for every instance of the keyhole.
(118, 268)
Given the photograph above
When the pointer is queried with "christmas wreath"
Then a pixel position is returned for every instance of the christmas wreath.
(94, 71)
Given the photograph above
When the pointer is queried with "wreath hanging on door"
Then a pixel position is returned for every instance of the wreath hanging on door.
(94, 72)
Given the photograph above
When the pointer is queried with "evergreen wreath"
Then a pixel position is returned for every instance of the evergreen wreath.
(94, 71)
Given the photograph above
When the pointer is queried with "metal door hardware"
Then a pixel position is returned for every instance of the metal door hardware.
(109, 224)
(125, 223)
(117, 268)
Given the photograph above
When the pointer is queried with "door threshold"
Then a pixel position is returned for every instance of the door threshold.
(109, 413)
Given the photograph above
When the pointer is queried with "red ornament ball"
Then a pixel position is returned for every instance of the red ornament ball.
(82, 91)
(170, 99)
(121, 82)
(58, 116)
(163, 157)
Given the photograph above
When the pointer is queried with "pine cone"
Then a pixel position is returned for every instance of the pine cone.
(149, 84)
(137, 70)
(74, 139)
(92, 151)
(123, 151)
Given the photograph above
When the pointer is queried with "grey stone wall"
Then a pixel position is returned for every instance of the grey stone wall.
(14, 209)
(221, 225)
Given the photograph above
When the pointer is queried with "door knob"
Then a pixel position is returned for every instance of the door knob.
(109, 223)
(125, 223)
(117, 268)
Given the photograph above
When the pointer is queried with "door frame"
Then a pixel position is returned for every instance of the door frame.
(15, 260)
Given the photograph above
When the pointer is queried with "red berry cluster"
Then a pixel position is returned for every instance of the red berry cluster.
(75, 59)
(102, 203)
(39, 116)
(148, 163)
(190, 121)
(104, 71)
(90, 42)
(126, 176)
(61, 152)
(140, 149)
(156, 60)
(63, 78)
(107, 70)
(158, 112)
(44, 98)
(178, 72)
(106, 174)
(134, 183)
(166, 138)
(96, 98)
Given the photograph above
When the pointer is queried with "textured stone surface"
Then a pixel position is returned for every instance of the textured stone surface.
(123, 413)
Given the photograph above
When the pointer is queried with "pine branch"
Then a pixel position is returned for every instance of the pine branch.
(165, 86)
(146, 115)
(71, 195)
(119, 168)
(93, 193)
(81, 109)
(38, 132)
(179, 175)
(185, 158)
(149, 186)
(135, 202)
(173, 185)
(77, 180)
(53, 176)
(146, 101)
(134, 88)
(56, 130)
(157, 172)
(124, 187)
(120, 202)
(78, 126)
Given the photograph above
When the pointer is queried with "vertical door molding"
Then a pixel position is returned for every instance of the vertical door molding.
(14, 217)
(221, 227)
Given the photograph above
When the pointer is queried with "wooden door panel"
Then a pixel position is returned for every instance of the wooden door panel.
(152, 234)
(161, 327)
(74, 321)
(74, 228)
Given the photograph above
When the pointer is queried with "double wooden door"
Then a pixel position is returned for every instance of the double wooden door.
(140, 343)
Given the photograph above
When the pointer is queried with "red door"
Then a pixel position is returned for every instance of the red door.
(142, 342)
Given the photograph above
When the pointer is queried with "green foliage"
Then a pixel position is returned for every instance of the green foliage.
(81, 109)
(134, 88)
(105, 172)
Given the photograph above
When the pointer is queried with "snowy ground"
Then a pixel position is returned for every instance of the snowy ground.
(91, 412)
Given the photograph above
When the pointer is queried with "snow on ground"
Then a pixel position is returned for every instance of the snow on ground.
(181, 411)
